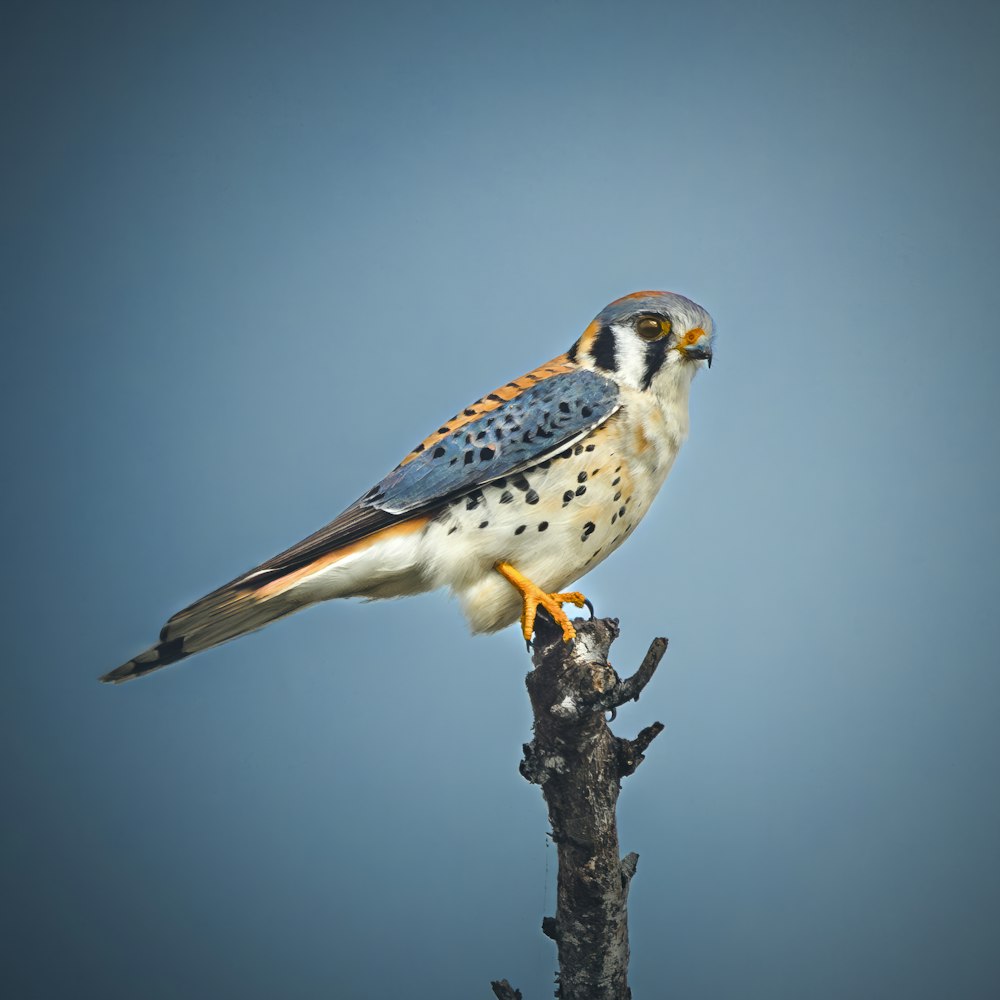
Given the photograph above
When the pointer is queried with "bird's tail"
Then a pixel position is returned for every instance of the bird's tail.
(224, 614)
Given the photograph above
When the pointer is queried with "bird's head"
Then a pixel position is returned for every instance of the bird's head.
(645, 338)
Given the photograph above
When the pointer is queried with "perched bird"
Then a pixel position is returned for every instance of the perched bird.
(506, 503)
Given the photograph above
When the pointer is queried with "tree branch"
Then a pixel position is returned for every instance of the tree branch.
(504, 991)
(579, 764)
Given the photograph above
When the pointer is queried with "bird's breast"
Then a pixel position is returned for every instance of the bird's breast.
(557, 520)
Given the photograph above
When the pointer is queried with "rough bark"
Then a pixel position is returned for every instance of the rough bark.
(579, 764)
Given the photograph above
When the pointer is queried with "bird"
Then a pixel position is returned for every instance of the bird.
(507, 503)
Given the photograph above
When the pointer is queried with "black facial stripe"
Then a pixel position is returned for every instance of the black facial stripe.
(604, 349)
(571, 353)
(656, 354)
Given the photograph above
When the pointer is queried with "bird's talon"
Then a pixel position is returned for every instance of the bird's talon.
(590, 608)
(533, 598)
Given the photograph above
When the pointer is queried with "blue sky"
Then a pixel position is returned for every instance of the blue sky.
(252, 254)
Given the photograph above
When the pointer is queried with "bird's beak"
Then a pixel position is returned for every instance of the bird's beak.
(699, 354)
(696, 345)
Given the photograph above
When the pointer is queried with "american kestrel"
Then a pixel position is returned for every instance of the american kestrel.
(506, 503)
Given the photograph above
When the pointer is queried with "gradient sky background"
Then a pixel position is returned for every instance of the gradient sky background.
(252, 253)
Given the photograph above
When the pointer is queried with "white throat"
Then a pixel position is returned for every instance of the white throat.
(671, 388)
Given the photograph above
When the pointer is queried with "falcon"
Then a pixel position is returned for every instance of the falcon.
(506, 503)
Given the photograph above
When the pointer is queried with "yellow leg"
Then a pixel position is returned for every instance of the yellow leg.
(534, 597)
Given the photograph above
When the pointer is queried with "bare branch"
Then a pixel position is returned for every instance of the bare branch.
(631, 753)
(579, 764)
(504, 991)
(630, 689)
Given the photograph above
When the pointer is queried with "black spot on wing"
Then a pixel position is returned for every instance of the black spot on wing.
(540, 418)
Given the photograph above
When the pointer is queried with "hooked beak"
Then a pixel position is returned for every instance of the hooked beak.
(695, 346)
(699, 354)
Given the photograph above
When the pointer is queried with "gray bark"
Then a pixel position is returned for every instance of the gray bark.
(579, 764)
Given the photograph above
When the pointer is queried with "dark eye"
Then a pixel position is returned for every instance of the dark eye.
(652, 327)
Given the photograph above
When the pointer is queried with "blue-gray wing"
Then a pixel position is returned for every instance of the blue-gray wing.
(544, 419)
(525, 430)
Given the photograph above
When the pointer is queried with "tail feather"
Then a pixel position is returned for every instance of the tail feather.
(160, 655)
(220, 616)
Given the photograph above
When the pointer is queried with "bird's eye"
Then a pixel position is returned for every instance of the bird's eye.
(652, 327)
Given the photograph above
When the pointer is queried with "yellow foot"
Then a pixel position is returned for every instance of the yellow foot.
(534, 598)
